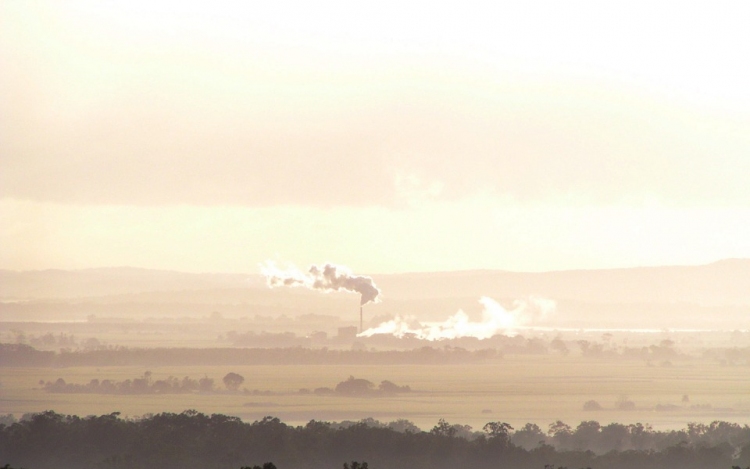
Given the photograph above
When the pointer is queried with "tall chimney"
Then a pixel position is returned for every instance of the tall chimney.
(360, 319)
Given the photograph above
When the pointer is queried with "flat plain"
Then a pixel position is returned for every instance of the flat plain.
(514, 389)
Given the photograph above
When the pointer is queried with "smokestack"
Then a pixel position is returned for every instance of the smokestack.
(328, 278)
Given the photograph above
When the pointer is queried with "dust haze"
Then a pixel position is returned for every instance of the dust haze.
(621, 326)
(593, 358)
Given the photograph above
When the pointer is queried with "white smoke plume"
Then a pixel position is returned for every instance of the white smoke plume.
(495, 319)
(327, 278)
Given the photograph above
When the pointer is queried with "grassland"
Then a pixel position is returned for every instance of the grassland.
(516, 389)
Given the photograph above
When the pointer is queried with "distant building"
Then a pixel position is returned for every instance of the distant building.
(348, 333)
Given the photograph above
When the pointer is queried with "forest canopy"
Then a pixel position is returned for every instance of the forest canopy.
(194, 440)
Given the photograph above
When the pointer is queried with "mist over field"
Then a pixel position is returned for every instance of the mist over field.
(449, 355)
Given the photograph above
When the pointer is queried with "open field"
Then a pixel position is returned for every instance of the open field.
(516, 389)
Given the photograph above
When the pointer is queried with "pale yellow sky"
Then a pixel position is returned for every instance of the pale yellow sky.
(394, 137)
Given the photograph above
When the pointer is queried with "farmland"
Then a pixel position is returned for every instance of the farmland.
(515, 389)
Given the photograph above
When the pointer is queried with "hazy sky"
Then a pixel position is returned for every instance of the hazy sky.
(403, 136)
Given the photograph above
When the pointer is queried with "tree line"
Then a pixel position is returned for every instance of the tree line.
(17, 355)
(146, 384)
(92, 353)
(192, 440)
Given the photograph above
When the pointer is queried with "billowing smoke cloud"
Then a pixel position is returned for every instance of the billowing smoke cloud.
(330, 277)
(495, 319)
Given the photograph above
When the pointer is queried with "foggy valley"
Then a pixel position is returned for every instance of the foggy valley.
(142, 342)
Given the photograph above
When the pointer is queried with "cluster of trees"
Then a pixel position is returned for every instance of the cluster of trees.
(359, 387)
(145, 385)
(193, 440)
(50, 340)
(603, 439)
(662, 352)
(362, 387)
(25, 355)
(61, 340)
(730, 356)
(622, 403)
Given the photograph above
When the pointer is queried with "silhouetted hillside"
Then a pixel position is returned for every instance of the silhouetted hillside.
(720, 283)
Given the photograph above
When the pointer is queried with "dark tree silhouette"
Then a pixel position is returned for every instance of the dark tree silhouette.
(389, 387)
(267, 465)
(356, 465)
(592, 405)
(233, 381)
(443, 428)
(499, 431)
(355, 387)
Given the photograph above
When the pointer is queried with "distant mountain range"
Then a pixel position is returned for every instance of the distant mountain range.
(725, 282)
(668, 296)
(68, 284)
